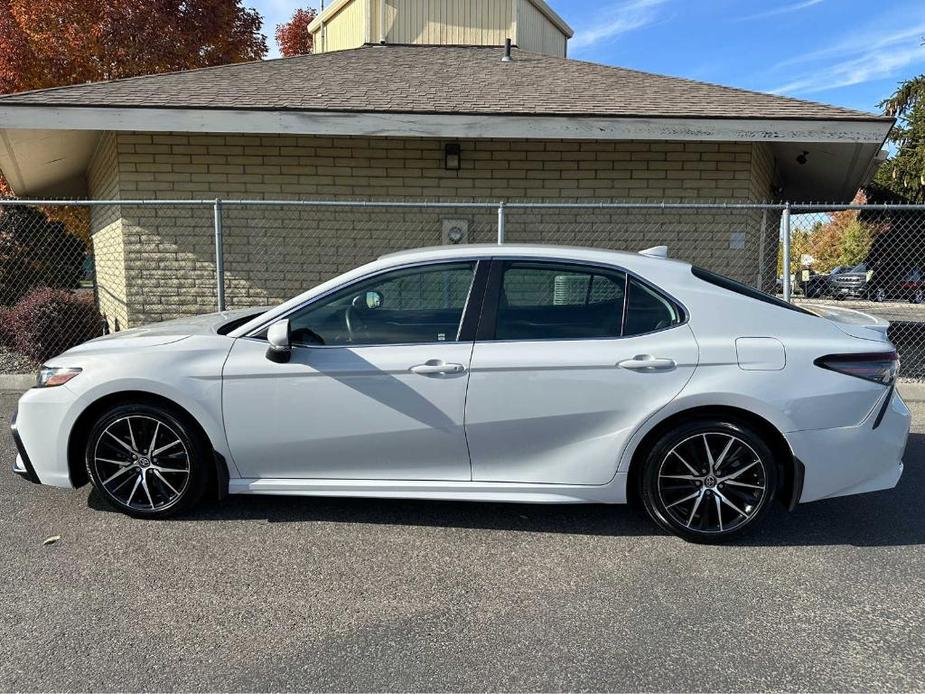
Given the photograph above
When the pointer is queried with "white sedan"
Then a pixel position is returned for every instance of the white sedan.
(484, 373)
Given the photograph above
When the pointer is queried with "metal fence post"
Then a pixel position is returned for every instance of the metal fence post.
(219, 256)
(785, 223)
(500, 223)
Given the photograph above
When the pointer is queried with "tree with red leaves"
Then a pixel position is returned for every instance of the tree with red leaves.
(293, 37)
(59, 42)
(52, 43)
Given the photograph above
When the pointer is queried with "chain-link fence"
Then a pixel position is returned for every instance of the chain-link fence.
(71, 270)
(866, 257)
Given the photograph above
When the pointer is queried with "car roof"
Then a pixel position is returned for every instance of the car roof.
(518, 250)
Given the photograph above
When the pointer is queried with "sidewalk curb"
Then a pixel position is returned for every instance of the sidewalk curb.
(16, 383)
(912, 392)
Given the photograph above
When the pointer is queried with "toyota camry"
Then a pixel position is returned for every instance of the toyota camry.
(485, 373)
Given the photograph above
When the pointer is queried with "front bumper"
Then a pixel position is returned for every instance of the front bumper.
(855, 292)
(856, 459)
(22, 466)
(41, 426)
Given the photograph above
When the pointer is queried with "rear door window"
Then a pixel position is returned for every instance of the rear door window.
(546, 301)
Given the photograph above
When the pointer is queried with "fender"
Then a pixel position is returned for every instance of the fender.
(689, 401)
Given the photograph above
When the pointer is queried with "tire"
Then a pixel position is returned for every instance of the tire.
(130, 479)
(708, 508)
(878, 295)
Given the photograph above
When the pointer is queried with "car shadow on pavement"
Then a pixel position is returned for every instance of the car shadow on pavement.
(887, 518)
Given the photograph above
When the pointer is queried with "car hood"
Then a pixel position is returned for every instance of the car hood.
(165, 332)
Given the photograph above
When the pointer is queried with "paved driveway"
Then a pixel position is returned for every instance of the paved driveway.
(265, 594)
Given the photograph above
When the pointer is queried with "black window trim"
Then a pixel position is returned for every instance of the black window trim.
(467, 324)
(740, 288)
(492, 296)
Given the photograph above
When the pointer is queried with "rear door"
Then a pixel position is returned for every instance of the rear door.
(570, 360)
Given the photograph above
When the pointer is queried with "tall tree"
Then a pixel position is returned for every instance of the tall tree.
(293, 37)
(59, 42)
(904, 172)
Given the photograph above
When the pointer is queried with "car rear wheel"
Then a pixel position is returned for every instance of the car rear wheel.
(146, 461)
(708, 481)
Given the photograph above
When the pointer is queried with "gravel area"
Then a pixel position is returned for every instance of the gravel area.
(259, 594)
(13, 363)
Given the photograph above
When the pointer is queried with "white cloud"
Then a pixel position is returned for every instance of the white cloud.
(618, 18)
(857, 59)
(785, 9)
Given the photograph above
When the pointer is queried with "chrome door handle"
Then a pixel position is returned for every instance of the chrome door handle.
(437, 366)
(646, 362)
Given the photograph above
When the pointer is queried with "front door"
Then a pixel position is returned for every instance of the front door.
(576, 358)
(375, 388)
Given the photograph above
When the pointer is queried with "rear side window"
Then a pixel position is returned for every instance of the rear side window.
(648, 311)
(546, 301)
(743, 289)
(551, 301)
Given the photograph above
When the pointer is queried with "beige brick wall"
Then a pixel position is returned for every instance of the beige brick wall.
(106, 234)
(273, 252)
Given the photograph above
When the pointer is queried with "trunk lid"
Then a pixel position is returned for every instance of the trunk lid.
(852, 322)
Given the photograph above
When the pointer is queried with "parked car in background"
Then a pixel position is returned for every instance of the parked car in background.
(851, 283)
(528, 374)
(820, 284)
(913, 286)
(902, 286)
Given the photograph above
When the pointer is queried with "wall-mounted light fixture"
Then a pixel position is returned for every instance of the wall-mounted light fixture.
(451, 156)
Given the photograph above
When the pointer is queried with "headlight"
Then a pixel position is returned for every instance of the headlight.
(50, 376)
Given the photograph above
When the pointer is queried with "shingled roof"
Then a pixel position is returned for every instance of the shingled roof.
(435, 80)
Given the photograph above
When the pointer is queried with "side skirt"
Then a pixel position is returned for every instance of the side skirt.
(513, 492)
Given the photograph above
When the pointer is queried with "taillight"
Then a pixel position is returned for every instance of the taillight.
(879, 367)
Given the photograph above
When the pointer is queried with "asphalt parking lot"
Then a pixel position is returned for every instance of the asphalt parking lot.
(302, 594)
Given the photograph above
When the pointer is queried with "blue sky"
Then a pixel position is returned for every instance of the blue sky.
(845, 52)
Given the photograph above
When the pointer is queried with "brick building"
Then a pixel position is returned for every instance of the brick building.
(414, 122)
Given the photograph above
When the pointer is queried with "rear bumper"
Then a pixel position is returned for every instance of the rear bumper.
(858, 459)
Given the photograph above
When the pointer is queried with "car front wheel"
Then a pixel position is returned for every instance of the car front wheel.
(708, 481)
(146, 461)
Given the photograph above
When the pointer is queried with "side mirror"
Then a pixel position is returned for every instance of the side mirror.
(278, 335)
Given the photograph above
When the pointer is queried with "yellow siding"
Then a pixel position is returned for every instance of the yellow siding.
(536, 33)
(446, 22)
(343, 30)
(439, 22)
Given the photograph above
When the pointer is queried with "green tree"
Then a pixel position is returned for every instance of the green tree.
(36, 251)
(904, 172)
(799, 246)
(856, 242)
